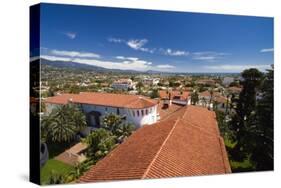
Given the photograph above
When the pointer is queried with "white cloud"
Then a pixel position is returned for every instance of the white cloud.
(208, 56)
(267, 50)
(74, 54)
(166, 66)
(174, 52)
(120, 57)
(127, 58)
(234, 68)
(136, 44)
(129, 63)
(71, 35)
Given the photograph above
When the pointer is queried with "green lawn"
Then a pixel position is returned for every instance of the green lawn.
(55, 166)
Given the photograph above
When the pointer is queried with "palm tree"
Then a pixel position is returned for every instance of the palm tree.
(100, 142)
(111, 122)
(227, 104)
(194, 98)
(62, 124)
(123, 131)
(204, 101)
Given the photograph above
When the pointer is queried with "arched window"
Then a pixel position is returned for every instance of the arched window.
(138, 112)
(142, 112)
(146, 111)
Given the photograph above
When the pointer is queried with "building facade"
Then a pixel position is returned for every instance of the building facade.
(132, 108)
(150, 81)
(123, 84)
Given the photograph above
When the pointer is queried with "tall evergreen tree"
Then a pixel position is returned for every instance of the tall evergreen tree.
(262, 154)
(244, 121)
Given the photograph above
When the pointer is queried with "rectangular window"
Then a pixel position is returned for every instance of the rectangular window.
(118, 111)
(142, 112)
(146, 111)
(133, 113)
(105, 108)
(138, 113)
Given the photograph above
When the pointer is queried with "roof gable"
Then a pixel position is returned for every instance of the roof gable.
(176, 146)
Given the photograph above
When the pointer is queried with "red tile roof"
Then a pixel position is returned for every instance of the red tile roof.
(234, 89)
(104, 99)
(183, 95)
(205, 94)
(60, 99)
(184, 144)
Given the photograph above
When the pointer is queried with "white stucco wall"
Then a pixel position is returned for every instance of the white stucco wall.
(139, 119)
(134, 116)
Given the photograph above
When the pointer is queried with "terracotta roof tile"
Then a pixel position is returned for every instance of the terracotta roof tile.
(184, 144)
(183, 95)
(60, 99)
(104, 99)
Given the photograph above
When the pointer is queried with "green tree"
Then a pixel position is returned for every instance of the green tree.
(117, 127)
(194, 98)
(243, 120)
(100, 142)
(56, 179)
(262, 154)
(154, 94)
(123, 131)
(111, 122)
(139, 86)
(62, 124)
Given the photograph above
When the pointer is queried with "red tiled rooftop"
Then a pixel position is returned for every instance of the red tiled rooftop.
(184, 144)
(165, 112)
(205, 94)
(183, 95)
(104, 99)
(60, 99)
(235, 89)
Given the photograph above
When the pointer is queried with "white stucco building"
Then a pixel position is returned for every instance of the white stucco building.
(150, 81)
(175, 97)
(123, 84)
(135, 109)
(227, 80)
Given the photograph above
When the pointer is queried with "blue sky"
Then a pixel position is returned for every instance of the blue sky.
(155, 40)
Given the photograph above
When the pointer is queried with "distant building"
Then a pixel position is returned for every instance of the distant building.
(205, 99)
(234, 90)
(123, 84)
(176, 97)
(227, 80)
(209, 82)
(138, 110)
(151, 81)
(186, 143)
